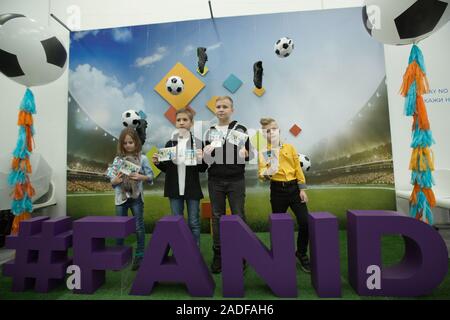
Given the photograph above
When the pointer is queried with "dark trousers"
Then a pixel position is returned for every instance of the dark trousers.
(284, 196)
(219, 191)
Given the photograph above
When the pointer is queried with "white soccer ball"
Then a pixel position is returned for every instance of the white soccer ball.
(305, 162)
(130, 118)
(30, 54)
(283, 47)
(404, 22)
(175, 85)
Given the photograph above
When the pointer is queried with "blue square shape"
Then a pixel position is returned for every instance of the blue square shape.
(232, 83)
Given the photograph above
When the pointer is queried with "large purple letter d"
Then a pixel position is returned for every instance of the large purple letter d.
(422, 269)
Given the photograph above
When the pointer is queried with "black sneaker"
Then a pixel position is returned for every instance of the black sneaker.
(136, 263)
(202, 58)
(216, 265)
(141, 130)
(304, 262)
(258, 74)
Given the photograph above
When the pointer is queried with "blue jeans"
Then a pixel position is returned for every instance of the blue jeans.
(137, 209)
(193, 209)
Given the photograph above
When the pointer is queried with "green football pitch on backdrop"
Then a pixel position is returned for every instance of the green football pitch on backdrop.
(336, 200)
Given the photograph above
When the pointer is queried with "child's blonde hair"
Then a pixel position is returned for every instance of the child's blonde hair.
(225, 98)
(266, 121)
(187, 112)
(134, 136)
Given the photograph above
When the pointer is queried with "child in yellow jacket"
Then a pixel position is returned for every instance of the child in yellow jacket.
(280, 164)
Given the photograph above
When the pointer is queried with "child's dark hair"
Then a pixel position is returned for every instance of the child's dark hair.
(137, 142)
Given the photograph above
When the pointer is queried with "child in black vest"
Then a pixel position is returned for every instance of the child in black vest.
(182, 182)
(227, 149)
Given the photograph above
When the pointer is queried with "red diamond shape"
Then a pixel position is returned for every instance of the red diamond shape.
(171, 113)
(295, 130)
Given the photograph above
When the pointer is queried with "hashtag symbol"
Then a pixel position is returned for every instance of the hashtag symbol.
(41, 253)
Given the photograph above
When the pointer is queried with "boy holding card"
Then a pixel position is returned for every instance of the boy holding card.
(227, 148)
(181, 160)
(280, 164)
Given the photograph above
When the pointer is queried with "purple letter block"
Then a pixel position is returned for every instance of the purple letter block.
(185, 266)
(90, 254)
(276, 267)
(422, 268)
(325, 262)
(41, 253)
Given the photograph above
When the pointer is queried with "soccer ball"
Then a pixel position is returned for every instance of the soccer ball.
(29, 53)
(131, 118)
(305, 163)
(175, 85)
(283, 47)
(404, 22)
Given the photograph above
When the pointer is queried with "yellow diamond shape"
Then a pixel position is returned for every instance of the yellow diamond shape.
(205, 71)
(192, 86)
(211, 104)
(149, 155)
(259, 92)
(258, 141)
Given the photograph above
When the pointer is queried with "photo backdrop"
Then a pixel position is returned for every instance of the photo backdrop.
(332, 87)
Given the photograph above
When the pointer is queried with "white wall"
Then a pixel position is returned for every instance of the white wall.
(115, 13)
(51, 103)
(51, 100)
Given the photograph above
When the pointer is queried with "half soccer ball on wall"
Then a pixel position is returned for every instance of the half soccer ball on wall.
(305, 162)
(406, 21)
(30, 54)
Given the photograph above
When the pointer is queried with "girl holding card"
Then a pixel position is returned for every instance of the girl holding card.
(128, 172)
(182, 161)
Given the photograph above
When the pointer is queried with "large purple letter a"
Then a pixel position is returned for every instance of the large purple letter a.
(186, 266)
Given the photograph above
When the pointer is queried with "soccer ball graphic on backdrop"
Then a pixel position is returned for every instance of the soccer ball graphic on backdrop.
(29, 53)
(305, 162)
(175, 85)
(404, 22)
(283, 47)
(130, 118)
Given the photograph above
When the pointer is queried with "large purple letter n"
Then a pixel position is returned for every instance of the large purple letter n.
(276, 267)
(424, 264)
